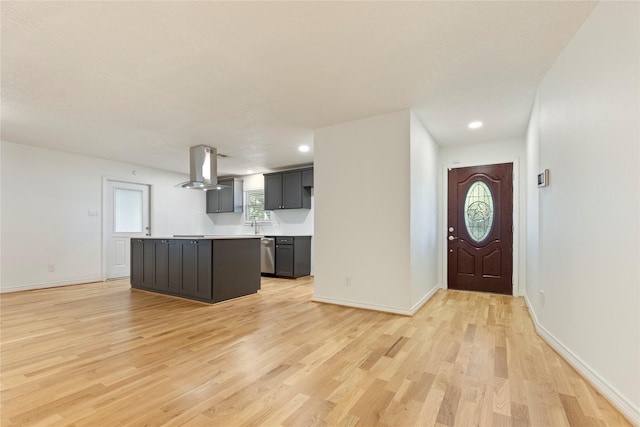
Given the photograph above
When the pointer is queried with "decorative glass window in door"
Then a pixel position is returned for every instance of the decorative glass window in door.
(478, 211)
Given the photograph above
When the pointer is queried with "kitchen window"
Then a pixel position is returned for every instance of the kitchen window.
(254, 203)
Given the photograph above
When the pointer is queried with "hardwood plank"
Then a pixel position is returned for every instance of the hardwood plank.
(500, 365)
(520, 415)
(449, 406)
(101, 354)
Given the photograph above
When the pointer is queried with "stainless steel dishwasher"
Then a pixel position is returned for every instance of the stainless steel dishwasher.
(268, 255)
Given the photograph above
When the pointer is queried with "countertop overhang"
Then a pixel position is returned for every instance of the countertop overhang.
(201, 236)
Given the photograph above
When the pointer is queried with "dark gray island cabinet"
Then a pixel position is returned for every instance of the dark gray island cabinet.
(209, 269)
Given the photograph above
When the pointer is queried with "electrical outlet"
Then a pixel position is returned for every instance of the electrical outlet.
(51, 268)
(347, 280)
(542, 298)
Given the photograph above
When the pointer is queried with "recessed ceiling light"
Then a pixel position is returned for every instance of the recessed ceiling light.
(249, 171)
(475, 125)
(304, 148)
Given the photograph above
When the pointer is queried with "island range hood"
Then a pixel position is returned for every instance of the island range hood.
(203, 170)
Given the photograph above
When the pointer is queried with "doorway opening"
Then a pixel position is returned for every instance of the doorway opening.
(125, 216)
(480, 228)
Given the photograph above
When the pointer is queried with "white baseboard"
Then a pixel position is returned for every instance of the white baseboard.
(32, 286)
(624, 405)
(417, 306)
(375, 307)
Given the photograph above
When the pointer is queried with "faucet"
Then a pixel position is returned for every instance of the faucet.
(254, 224)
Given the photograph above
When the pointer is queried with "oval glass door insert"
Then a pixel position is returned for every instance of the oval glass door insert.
(478, 211)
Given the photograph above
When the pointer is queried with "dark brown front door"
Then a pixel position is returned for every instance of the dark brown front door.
(480, 228)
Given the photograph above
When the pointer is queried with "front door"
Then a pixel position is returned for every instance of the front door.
(126, 215)
(480, 228)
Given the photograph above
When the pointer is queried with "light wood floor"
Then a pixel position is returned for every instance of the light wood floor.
(103, 355)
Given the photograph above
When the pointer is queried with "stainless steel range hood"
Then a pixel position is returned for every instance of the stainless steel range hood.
(203, 172)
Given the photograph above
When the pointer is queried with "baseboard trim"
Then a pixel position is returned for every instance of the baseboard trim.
(33, 286)
(375, 307)
(626, 407)
(417, 306)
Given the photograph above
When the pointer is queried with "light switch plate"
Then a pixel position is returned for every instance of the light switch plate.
(543, 178)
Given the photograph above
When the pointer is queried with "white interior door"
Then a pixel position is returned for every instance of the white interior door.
(126, 215)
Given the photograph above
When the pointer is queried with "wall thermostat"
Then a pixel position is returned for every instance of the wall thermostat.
(543, 178)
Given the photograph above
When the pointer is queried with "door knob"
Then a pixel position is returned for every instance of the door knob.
(452, 238)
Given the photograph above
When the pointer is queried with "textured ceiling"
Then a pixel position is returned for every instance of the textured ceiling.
(140, 82)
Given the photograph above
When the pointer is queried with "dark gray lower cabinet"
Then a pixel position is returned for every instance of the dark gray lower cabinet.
(174, 270)
(196, 268)
(137, 262)
(209, 270)
(284, 260)
(143, 263)
(149, 269)
(293, 256)
(236, 268)
(161, 270)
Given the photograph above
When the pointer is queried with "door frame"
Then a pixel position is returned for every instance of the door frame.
(105, 194)
(442, 235)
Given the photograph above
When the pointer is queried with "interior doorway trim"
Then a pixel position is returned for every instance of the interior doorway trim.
(105, 194)
(518, 288)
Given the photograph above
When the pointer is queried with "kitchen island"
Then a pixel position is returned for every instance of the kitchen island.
(204, 268)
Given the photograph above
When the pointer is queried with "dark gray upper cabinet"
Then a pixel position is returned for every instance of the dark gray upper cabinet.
(227, 199)
(292, 190)
(287, 190)
(307, 177)
(273, 191)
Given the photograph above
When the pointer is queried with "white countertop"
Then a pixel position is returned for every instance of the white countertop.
(221, 236)
(205, 237)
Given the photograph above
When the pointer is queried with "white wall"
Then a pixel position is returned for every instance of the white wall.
(532, 276)
(46, 196)
(424, 212)
(363, 187)
(505, 151)
(585, 230)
